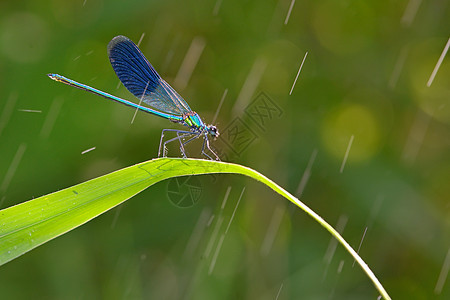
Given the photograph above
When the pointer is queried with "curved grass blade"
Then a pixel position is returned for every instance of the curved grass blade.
(27, 225)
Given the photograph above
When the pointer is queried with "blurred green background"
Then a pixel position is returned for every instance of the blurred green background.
(364, 80)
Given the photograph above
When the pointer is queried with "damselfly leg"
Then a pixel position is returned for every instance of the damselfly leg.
(180, 135)
(206, 142)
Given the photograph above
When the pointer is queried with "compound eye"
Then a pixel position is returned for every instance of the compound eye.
(213, 130)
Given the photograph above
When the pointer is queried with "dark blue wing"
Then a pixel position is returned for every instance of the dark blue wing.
(141, 79)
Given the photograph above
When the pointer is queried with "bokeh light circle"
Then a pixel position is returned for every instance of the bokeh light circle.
(348, 120)
(434, 100)
(24, 37)
(343, 28)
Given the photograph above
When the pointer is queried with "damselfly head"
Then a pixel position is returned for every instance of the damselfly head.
(212, 130)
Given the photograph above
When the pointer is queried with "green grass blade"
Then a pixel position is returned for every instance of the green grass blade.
(30, 224)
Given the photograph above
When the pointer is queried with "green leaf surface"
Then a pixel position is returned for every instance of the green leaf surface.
(25, 226)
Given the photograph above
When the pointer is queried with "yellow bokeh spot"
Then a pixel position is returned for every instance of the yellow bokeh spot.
(24, 37)
(343, 27)
(347, 121)
(434, 99)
